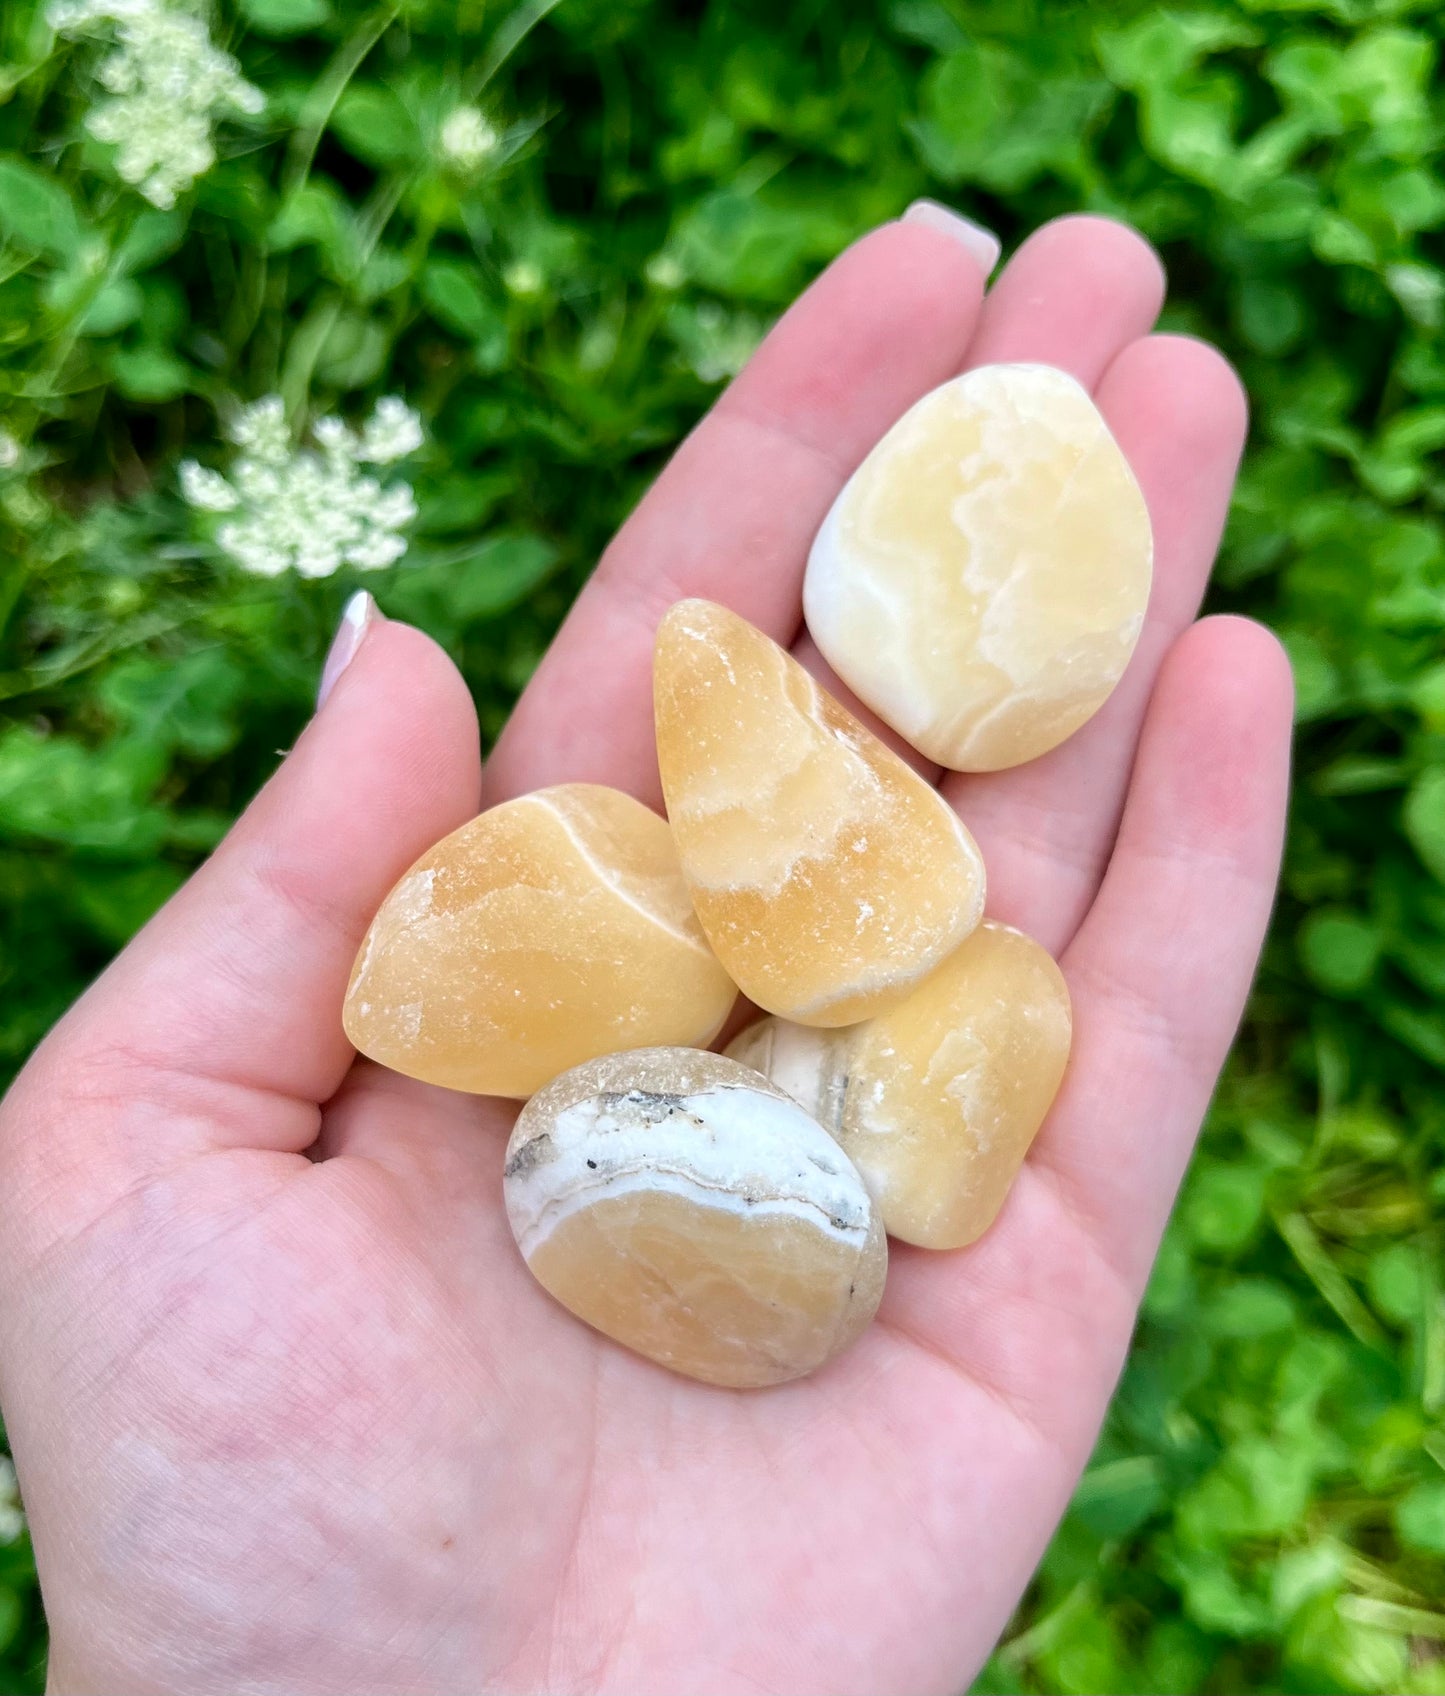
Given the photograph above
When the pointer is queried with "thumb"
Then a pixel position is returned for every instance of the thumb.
(220, 1024)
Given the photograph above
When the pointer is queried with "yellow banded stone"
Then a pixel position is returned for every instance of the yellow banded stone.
(981, 580)
(828, 876)
(937, 1101)
(549, 930)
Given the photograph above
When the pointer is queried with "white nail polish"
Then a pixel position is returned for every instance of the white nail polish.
(982, 243)
(361, 613)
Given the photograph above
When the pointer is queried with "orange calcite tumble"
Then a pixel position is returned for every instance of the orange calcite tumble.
(981, 580)
(937, 1101)
(687, 1208)
(549, 930)
(828, 875)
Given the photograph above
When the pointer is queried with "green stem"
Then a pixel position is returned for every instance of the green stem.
(316, 113)
(511, 33)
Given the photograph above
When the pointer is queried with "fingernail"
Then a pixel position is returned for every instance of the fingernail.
(983, 244)
(361, 613)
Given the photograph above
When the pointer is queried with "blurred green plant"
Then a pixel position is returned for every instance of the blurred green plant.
(555, 229)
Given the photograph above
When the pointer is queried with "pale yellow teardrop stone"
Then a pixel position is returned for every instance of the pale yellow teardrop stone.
(938, 1100)
(827, 874)
(981, 580)
(687, 1208)
(550, 929)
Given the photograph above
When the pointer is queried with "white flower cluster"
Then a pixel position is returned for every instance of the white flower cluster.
(715, 343)
(10, 450)
(12, 1521)
(167, 84)
(304, 511)
(467, 139)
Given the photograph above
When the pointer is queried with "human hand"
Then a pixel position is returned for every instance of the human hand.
(291, 1416)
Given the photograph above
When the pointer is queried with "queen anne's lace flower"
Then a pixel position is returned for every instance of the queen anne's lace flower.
(12, 1521)
(392, 432)
(167, 84)
(207, 490)
(467, 139)
(306, 511)
(262, 432)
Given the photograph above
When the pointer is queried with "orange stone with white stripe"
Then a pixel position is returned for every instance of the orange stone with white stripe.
(828, 875)
(937, 1101)
(548, 931)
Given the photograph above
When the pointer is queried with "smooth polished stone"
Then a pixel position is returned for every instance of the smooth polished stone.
(981, 580)
(828, 876)
(937, 1101)
(687, 1208)
(549, 930)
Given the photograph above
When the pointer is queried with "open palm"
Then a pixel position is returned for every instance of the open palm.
(289, 1413)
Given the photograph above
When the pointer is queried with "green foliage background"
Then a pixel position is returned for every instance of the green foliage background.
(1266, 1511)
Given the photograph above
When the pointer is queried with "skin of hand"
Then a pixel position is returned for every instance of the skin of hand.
(289, 1413)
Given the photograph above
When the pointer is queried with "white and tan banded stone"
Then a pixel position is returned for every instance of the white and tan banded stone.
(828, 876)
(982, 578)
(687, 1208)
(937, 1100)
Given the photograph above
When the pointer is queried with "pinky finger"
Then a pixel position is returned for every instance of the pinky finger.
(1161, 967)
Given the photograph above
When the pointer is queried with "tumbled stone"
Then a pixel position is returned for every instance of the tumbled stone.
(687, 1208)
(937, 1101)
(827, 874)
(550, 929)
(981, 580)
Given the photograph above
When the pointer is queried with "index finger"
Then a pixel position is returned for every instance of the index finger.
(732, 516)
